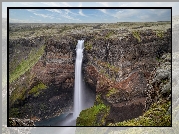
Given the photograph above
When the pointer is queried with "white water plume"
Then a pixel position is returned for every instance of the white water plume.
(78, 80)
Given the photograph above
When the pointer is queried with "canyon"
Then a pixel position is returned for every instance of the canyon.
(126, 65)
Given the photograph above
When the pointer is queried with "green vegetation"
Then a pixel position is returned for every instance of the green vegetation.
(158, 59)
(37, 89)
(114, 69)
(155, 116)
(89, 117)
(94, 116)
(98, 99)
(108, 70)
(109, 34)
(136, 34)
(160, 33)
(109, 66)
(111, 92)
(14, 112)
(65, 28)
(88, 46)
(25, 65)
(21, 92)
(18, 94)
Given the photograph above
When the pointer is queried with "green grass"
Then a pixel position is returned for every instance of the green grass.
(88, 46)
(89, 116)
(98, 99)
(94, 116)
(20, 93)
(17, 94)
(109, 35)
(25, 65)
(160, 33)
(155, 116)
(136, 34)
(37, 89)
(14, 112)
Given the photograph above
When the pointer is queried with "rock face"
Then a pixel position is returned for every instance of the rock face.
(160, 84)
(91, 75)
(126, 110)
(19, 49)
(55, 69)
(129, 73)
(120, 70)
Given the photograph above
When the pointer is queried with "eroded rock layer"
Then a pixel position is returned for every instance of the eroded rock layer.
(128, 73)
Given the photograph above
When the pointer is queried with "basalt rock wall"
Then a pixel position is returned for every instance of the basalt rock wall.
(117, 69)
(120, 70)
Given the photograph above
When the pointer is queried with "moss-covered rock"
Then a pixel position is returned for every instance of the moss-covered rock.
(157, 115)
(37, 89)
(94, 116)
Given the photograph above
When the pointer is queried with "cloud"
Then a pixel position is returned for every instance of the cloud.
(142, 14)
(69, 17)
(159, 12)
(81, 13)
(144, 17)
(32, 10)
(68, 11)
(54, 10)
(111, 15)
(44, 16)
(19, 21)
(103, 11)
(65, 13)
(125, 13)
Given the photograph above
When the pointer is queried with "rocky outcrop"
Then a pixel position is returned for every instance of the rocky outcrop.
(160, 84)
(54, 70)
(19, 49)
(121, 71)
(91, 77)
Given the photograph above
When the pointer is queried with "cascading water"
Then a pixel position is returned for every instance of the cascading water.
(84, 97)
(78, 81)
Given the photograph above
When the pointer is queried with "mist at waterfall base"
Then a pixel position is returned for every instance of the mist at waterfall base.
(83, 96)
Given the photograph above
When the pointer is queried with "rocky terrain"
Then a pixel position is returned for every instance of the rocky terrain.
(127, 65)
(126, 77)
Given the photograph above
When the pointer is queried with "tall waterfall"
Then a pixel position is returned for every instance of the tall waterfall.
(78, 80)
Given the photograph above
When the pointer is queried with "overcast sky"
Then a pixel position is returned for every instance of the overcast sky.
(87, 15)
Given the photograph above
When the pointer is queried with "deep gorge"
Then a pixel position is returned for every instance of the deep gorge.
(128, 74)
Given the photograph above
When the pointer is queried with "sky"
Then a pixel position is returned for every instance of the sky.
(88, 15)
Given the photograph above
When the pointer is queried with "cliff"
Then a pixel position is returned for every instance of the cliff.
(128, 69)
(121, 71)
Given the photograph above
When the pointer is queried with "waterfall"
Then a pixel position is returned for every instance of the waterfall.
(84, 97)
(78, 80)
